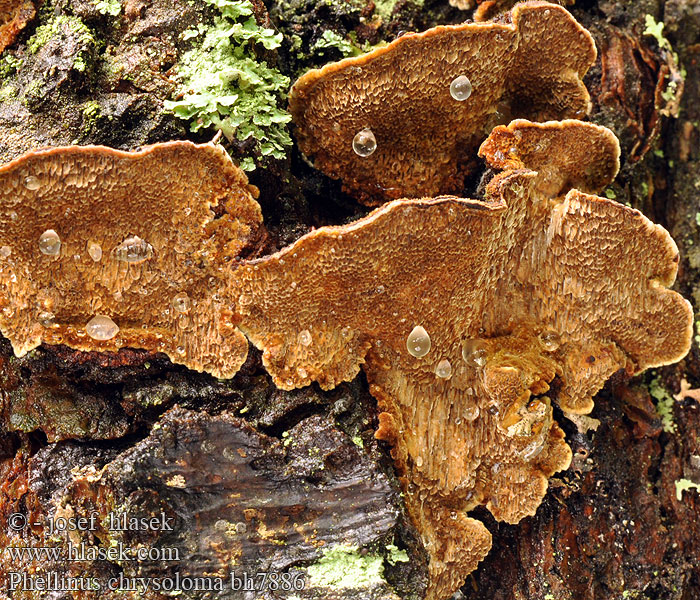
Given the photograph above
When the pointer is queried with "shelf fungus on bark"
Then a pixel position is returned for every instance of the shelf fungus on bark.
(14, 16)
(425, 136)
(102, 249)
(463, 312)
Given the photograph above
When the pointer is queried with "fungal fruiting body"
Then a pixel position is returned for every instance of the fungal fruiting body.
(405, 120)
(503, 291)
(108, 249)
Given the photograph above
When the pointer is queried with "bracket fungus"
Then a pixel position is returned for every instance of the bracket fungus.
(14, 16)
(402, 98)
(462, 314)
(102, 249)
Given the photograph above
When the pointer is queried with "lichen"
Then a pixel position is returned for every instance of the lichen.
(394, 555)
(656, 30)
(8, 65)
(664, 404)
(683, 485)
(109, 7)
(224, 86)
(343, 566)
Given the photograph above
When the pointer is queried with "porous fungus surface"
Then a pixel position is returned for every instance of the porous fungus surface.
(102, 249)
(14, 16)
(425, 137)
(536, 283)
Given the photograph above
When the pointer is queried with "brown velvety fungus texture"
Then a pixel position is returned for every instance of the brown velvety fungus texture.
(145, 239)
(14, 16)
(425, 138)
(538, 282)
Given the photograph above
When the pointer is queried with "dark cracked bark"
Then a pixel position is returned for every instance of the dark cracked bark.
(258, 479)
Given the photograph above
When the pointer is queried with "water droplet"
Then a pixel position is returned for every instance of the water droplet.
(301, 371)
(364, 143)
(474, 352)
(50, 243)
(5, 251)
(46, 318)
(32, 183)
(346, 332)
(471, 413)
(181, 303)
(418, 342)
(458, 421)
(461, 88)
(133, 250)
(180, 349)
(304, 337)
(550, 340)
(419, 461)
(444, 369)
(95, 251)
(101, 327)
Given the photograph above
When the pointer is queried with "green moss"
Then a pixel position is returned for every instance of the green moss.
(344, 567)
(225, 87)
(610, 193)
(664, 404)
(683, 485)
(108, 7)
(53, 27)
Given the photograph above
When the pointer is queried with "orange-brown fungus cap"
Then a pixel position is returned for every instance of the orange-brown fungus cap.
(130, 238)
(488, 9)
(14, 16)
(425, 138)
(462, 312)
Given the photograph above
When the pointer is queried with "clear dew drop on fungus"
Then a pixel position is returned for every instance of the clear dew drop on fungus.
(133, 250)
(32, 183)
(101, 327)
(364, 143)
(50, 243)
(181, 303)
(474, 352)
(444, 369)
(461, 88)
(550, 340)
(5, 251)
(95, 251)
(304, 337)
(46, 318)
(418, 342)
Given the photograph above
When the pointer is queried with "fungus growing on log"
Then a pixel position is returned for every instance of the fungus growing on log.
(463, 312)
(102, 249)
(426, 137)
(14, 16)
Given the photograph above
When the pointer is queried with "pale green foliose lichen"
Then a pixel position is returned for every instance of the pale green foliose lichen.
(683, 485)
(342, 566)
(225, 87)
(664, 405)
(108, 7)
(394, 555)
(656, 30)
